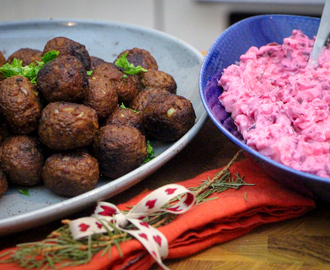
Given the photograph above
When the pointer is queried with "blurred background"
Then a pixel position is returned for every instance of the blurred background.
(197, 22)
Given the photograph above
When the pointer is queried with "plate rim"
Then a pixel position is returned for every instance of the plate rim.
(50, 213)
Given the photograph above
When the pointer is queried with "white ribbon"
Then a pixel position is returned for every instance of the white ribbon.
(152, 239)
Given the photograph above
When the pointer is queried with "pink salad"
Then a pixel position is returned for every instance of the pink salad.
(281, 107)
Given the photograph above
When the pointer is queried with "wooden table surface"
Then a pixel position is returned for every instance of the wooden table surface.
(301, 243)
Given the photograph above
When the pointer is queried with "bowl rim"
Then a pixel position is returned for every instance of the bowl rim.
(228, 134)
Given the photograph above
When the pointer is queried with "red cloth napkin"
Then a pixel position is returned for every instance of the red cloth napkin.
(232, 214)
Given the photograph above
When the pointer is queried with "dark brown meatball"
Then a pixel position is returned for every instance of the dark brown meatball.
(102, 97)
(26, 55)
(2, 59)
(20, 104)
(95, 61)
(126, 116)
(22, 160)
(119, 149)
(127, 86)
(70, 174)
(4, 131)
(107, 71)
(145, 96)
(168, 119)
(158, 79)
(65, 125)
(127, 89)
(3, 183)
(67, 46)
(140, 57)
(63, 79)
(2, 62)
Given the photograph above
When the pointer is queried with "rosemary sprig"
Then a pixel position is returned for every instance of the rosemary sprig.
(216, 185)
(217, 176)
(60, 250)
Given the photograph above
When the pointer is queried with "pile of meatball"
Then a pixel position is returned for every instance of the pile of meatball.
(71, 127)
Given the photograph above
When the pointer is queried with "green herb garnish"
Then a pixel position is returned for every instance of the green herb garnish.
(127, 66)
(89, 72)
(150, 154)
(24, 191)
(223, 183)
(124, 107)
(30, 71)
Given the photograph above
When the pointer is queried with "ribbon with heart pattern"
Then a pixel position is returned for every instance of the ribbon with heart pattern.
(107, 215)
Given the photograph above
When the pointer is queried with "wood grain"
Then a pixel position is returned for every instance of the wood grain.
(302, 243)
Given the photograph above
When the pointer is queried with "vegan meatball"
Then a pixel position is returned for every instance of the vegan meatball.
(145, 96)
(107, 71)
(20, 104)
(65, 125)
(3, 183)
(67, 46)
(102, 97)
(22, 160)
(2, 59)
(158, 79)
(126, 86)
(26, 55)
(119, 149)
(70, 174)
(168, 119)
(140, 57)
(126, 116)
(63, 79)
(95, 61)
(2, 62)
(4, 131)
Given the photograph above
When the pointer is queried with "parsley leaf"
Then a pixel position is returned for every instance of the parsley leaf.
(127, 108)
(150, 154)
(49, 56)
(24, 191)
(127, 66)
(16, 68)
(30, 71)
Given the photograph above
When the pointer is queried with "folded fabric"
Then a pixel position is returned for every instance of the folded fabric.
(231, 214)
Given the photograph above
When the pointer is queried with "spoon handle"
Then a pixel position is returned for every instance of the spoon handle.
(322, 35)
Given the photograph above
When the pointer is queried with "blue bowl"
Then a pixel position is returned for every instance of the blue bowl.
(226, 50)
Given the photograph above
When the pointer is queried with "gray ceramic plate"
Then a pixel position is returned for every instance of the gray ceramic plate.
(105, 40)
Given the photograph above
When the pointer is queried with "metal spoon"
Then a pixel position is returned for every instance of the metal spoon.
(322, 35)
